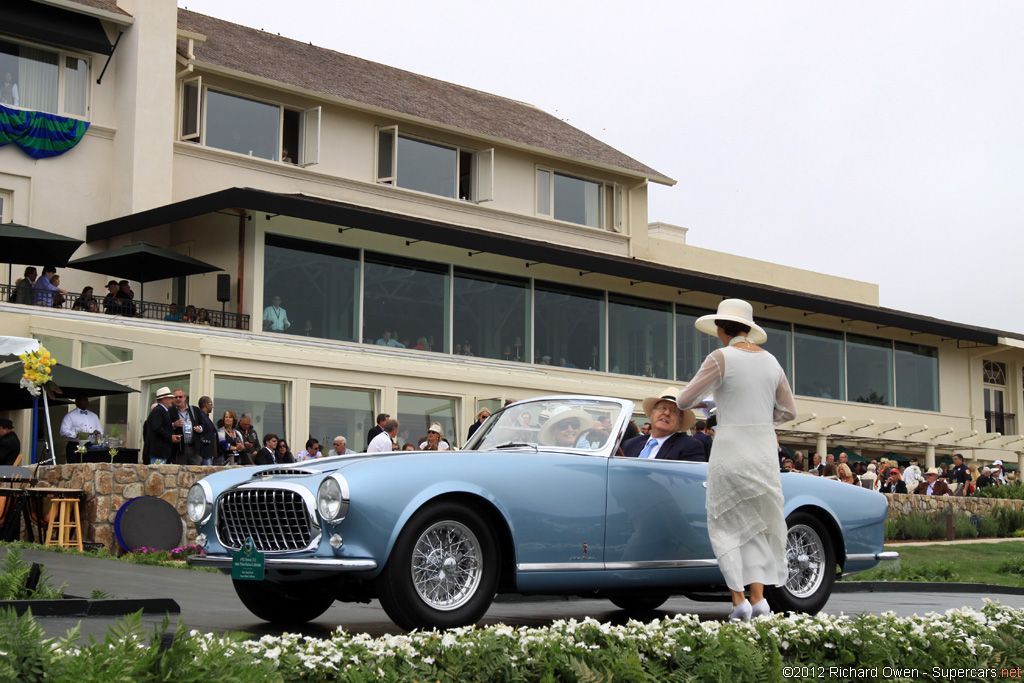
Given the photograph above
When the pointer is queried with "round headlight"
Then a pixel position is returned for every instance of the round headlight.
(332, 498)
(197, 503)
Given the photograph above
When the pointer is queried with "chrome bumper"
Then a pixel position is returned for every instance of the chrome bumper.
(309, 563)
(884, 556)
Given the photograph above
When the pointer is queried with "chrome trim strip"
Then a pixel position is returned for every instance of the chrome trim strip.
(663, 564)
(335, 564)
(886, 556)
(614, 566)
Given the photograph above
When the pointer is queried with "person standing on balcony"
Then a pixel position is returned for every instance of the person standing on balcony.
(275, 318)
(24, 292)
(126, 295)
(45, 289)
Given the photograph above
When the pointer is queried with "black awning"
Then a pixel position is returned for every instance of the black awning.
(53, 25)
(474, 239)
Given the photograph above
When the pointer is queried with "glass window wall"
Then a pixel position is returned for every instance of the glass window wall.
(406, 300)
(818, 359)
(58, 347)
(427, 167)
(334, 411)
(266, 401)
(779, 344)
(917, 376)
(115, 418)
(238, 124)
(577, 200)
(869, 370)
(491, 315)
(692, 345)
(416, 414)
(317, 285)
(101, 354)
(569, 325)
(639, 336)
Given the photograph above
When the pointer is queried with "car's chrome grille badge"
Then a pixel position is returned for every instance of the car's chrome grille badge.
(275, 519)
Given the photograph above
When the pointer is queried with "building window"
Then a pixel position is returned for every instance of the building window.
(182, 382)
(266, 401)
(101, 354)
(997, 419)
(917, 376)
(639, 336)
(577, 200)
(416, 414)
(248, 126)
(317, 285)
(569, 324)
(61, 349)
(869, 368)
(334, 411)
(39, 79)
(405, 303)
(818, 361)
(692, 345)
(491, 315)
(434, 168)
(115, 417)
(5, 206)
(780, 344)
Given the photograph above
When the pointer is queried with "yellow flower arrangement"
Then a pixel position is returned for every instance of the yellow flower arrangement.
(36, 370)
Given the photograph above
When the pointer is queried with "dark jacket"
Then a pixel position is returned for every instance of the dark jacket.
(705, 440)
(208, 439)
(377, 429)
(264, 456)
(24, 292)
(10, 448)
(679, 446)
(900, 487)
(252, 444)
(157, 435)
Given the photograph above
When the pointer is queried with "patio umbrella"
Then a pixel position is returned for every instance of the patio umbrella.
(73, 383)
(852, 457)
(22, 244)
(142, 262)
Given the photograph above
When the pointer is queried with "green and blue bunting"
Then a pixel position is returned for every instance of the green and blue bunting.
(38, 134)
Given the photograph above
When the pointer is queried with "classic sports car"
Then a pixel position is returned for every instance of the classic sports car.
(538, 502)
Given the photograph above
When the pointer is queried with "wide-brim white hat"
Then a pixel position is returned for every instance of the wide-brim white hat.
(933, 470)
(164, 392)
(546, 437)
(736, 310)
(669, 394)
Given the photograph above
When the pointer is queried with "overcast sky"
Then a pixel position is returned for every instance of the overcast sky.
(882, 141)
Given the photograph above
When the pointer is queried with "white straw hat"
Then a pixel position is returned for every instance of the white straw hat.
(669, 394)
(164, 392)
(736, 310)
(436, 428)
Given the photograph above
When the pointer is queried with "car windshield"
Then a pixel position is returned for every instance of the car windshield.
(584, 423)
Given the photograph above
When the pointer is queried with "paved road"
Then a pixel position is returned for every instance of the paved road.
(208, 602)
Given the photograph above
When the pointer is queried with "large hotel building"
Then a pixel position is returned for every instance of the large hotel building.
(434, 250)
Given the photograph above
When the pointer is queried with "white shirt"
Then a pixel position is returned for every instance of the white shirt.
(79, 420)
(306, 455)
(380, 444)
(277, 316)
(441, 445)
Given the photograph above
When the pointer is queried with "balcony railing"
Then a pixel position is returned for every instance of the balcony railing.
(133, 308)
(1004, 423)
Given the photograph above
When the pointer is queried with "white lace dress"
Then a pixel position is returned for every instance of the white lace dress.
(744, 495)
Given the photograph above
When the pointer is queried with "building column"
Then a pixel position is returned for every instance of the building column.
(929, 456)
(821, 446)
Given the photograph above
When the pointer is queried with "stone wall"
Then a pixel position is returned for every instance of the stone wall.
(901, 504)
(108, 486)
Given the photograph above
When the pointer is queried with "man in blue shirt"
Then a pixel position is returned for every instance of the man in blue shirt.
(45, 288)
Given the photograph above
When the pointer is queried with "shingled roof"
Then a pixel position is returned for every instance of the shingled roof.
(105, 5)
(318, 69)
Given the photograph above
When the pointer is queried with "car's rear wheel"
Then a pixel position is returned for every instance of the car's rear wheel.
(282, 603)
(443, 570)
(811, 559)
(639, 604)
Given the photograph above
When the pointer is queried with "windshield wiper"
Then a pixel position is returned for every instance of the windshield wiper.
(516, 444)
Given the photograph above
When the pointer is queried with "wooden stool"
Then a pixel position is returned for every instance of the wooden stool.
(64, 519)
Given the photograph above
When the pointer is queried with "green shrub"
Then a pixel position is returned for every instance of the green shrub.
(1010, 492)
(963, 527)
(1014, 565)
(920, 526)
(1008, 520)
(987, 527)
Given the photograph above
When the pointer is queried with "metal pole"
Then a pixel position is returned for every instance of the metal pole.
(35, 428)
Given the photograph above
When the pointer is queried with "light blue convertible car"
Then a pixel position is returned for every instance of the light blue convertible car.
(538, 502)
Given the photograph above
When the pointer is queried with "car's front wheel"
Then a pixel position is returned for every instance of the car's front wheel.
(443, 570)
(811, 559)
(639, 604)
(282, 603)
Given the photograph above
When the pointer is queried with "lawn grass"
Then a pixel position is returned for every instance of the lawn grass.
(966, 562)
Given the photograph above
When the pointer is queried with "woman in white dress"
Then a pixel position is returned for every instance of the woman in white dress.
(744, 493)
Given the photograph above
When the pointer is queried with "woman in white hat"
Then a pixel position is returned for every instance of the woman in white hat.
(744, 493)
(433, 441)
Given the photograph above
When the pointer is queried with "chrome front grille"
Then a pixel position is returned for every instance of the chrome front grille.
(276, 519)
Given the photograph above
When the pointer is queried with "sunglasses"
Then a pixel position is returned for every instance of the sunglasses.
(568, 424)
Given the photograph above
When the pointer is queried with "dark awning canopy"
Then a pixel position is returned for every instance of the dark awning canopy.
(53, 25)
(475, 239)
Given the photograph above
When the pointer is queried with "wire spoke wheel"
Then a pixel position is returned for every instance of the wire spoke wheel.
(446, 565)
(805, 557)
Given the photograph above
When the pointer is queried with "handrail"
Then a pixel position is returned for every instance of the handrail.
(133, 308)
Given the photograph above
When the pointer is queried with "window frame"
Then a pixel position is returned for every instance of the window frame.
(481, 169)
(62, 56)
(309, 140)
(610, 199)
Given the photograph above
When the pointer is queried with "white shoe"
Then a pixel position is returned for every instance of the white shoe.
(760, 609)
(741, 612)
